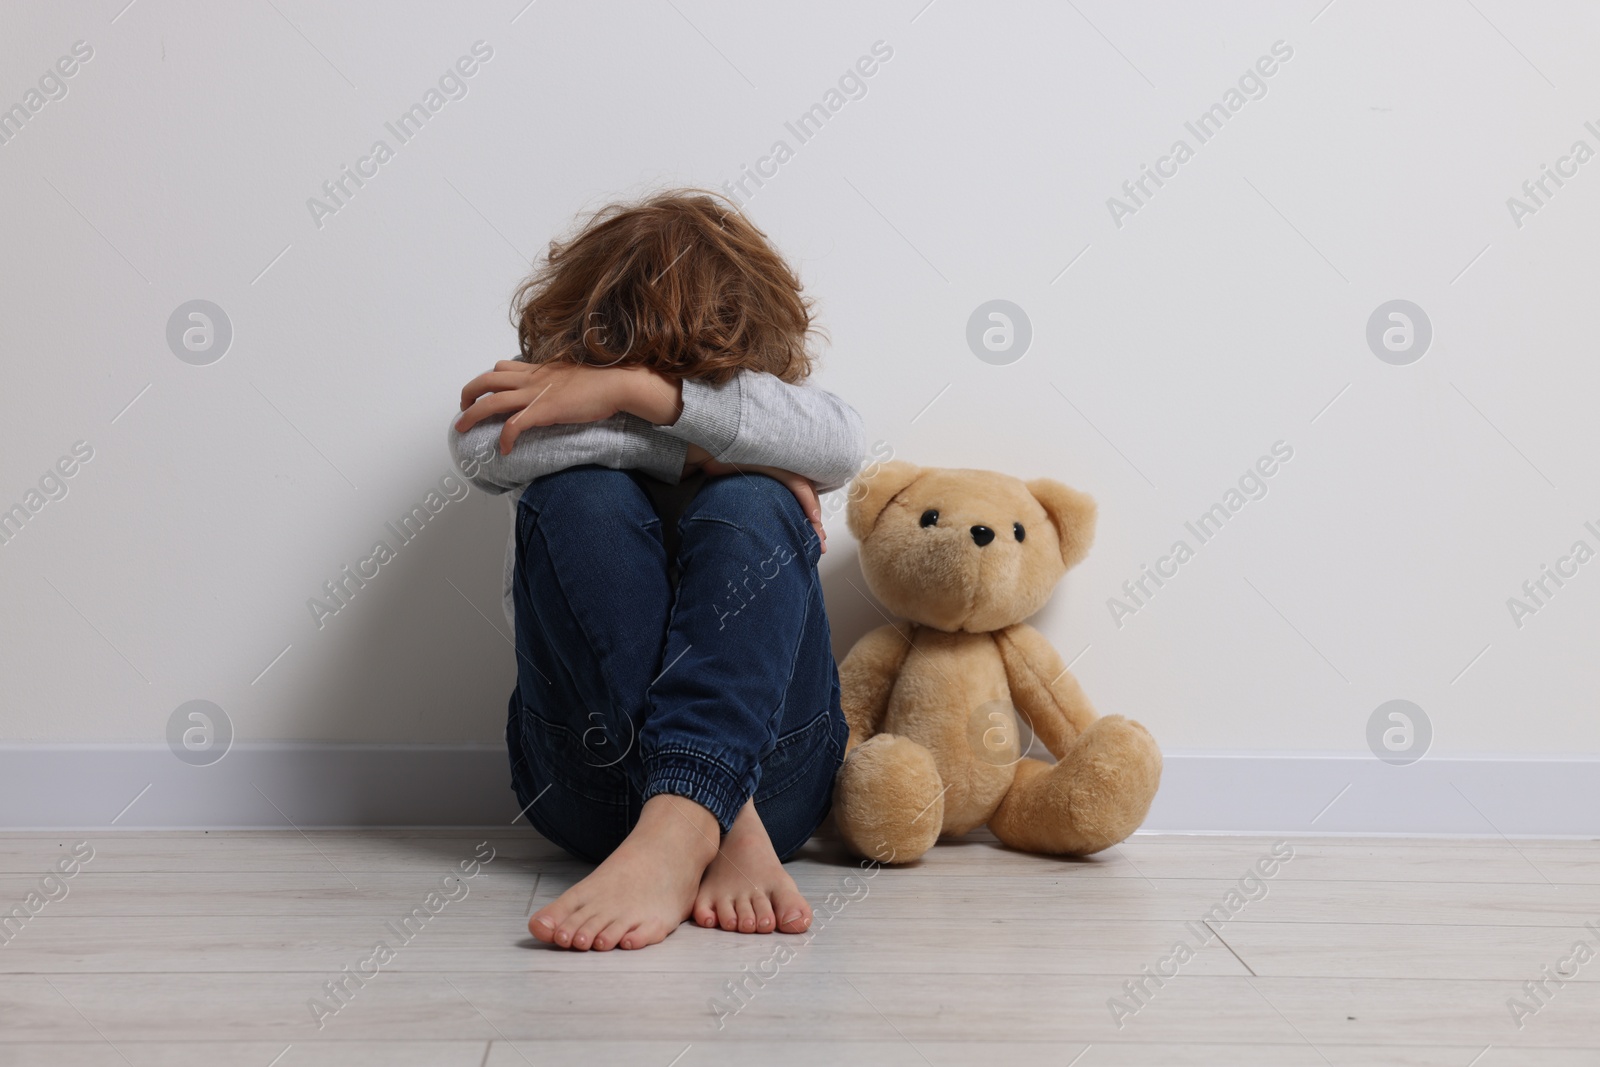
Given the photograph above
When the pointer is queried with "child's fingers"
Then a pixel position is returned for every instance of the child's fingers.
(509, 434)
(806, 494)
(491, 404)
(523, 403)
(478, 386)
(536, 413)
(500, 379)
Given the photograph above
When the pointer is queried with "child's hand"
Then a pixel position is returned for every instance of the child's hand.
(803, 490)
(547, 394)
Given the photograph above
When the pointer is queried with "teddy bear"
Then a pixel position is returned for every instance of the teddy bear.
(963, 557)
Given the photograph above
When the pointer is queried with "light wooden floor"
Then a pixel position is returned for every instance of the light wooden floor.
(190, 948)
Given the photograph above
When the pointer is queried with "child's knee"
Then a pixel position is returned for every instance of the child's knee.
(748, 501)
(586, 494)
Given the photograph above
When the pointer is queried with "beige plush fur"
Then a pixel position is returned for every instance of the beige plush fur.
(933, 702)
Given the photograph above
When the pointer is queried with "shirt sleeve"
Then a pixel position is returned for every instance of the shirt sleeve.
(621, 442)
(753, 419)
(758, 419)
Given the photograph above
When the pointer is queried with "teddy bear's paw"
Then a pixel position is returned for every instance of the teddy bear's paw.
(1096, 796)
(888, 799)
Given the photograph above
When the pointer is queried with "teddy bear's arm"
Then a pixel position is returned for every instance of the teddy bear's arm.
(1043, 689)
(866, 677)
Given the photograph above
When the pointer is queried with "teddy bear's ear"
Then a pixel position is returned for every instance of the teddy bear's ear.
(1071, 512)
(871, 493)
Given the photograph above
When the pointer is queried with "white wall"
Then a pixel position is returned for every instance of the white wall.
(1223, 316)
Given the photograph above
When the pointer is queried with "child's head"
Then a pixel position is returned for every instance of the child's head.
(681, 283)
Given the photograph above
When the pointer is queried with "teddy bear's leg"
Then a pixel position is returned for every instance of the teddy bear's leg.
(888, 799)
(1096, 796)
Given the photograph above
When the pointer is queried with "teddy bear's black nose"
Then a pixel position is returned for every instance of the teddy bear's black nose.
(982, 535)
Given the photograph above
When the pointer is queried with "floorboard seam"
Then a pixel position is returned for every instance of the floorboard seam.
(1242, 963)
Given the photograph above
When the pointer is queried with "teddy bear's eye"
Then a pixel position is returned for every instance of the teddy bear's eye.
(930, 517)
(1017, 529)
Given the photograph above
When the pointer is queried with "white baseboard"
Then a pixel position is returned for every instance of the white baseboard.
(255, 786)
(69, 786)
(1205, 792)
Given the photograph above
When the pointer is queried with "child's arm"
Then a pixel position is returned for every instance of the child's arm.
(621, 442)
(753, 420)
(520, 422)
(759, 420)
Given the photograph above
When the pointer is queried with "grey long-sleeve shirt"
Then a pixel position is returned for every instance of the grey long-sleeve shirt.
(754, 419)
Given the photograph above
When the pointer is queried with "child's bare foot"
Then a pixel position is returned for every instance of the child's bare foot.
(746, 888)
(643, 890)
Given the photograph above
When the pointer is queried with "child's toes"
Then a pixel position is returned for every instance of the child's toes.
(568, 927)
(705, 912)
(646, 933)
(592, 925)
(607, 939)
(794, 914)
(544, 923)
(747, 916)
(727, 914)
(765, 919)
